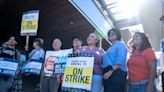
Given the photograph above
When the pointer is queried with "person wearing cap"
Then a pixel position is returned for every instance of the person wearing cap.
(77, 42)
(29, 82)
(37, 53)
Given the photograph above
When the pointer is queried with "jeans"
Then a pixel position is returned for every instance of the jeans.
(5, 84)
(49, 84)
(29, 83)
(115, 83)
(139, 88)
(163, 81)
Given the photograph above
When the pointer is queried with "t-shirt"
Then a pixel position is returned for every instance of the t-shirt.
(8, 53)
(97, 60)
(138, 67)
(37, 54)
(116, 54)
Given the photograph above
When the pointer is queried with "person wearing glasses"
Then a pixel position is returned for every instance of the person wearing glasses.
(114, 63)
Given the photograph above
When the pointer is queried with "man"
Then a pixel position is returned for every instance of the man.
(8, 51)
(48, 83)
(77, 42)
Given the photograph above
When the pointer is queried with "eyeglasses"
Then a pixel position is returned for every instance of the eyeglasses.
(112, 33)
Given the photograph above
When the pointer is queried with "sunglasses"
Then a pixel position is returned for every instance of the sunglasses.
(112, 33)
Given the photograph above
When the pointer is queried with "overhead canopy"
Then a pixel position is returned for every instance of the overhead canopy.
(57, 18)
(120, 12)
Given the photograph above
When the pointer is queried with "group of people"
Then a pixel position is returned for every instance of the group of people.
(112, 71)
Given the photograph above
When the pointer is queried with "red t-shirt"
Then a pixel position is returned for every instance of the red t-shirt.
(138, 67)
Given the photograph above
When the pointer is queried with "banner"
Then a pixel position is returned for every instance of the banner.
(78, 73)
(29, 24)
(32, 67)
(55, 62)
(8, 67)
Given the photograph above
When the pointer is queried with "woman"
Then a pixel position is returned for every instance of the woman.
(141, 65)
(28, 83)
(48, 83)
(114, 63)
(97, 78)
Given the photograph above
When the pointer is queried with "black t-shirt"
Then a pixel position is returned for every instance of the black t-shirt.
(8, 53)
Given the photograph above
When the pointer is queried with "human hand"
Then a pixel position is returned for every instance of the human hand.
(26, 48)
(107, 74)
(149, 88)
(58, 78)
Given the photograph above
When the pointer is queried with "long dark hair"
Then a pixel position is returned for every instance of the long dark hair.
(145, 42)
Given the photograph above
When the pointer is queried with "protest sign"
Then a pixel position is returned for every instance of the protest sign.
(32, 67)
(8, 67)
(29, 25)
(55, 62)
(78, 73)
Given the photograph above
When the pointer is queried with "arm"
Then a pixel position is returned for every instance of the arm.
(116, 66)
(18, 55)
(42, 69)
(152, 74)
(42, 74)
(151, 60)
(110, 72)
(121, 56)
(42, 55)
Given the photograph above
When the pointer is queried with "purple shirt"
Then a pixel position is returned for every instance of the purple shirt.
(98, 61)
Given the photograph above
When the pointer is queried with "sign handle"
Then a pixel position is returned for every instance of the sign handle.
(27, 41)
